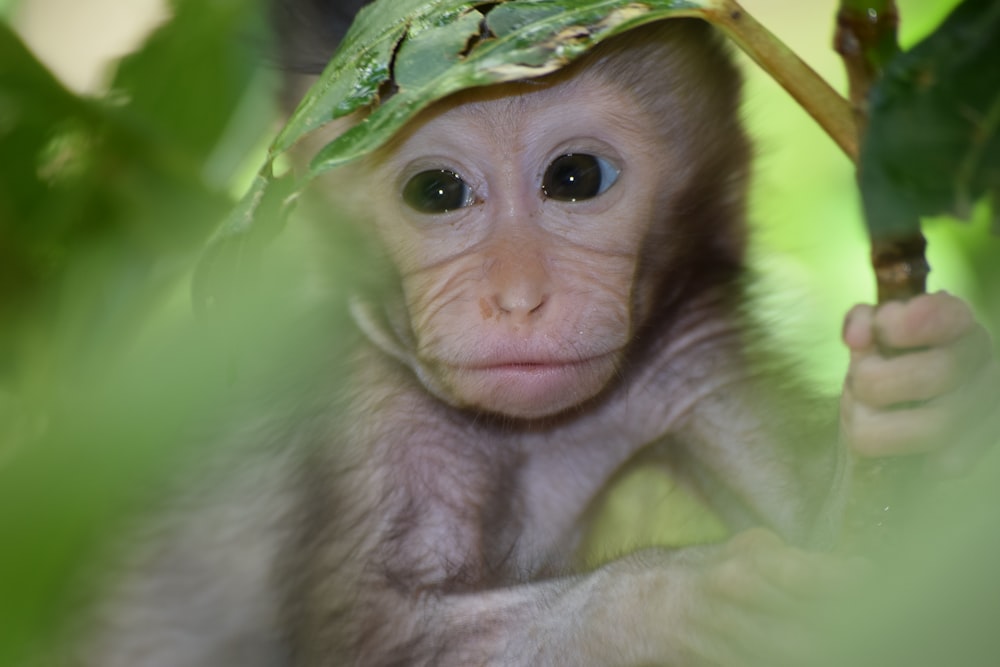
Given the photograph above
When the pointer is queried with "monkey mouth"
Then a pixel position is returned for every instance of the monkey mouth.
(531, 387)
(526, 365)
(532, 365)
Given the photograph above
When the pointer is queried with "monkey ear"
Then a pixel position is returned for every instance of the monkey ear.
(386, 325)
(375, 323)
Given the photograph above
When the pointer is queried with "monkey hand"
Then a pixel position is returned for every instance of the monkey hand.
(757, 602)
(922, 378)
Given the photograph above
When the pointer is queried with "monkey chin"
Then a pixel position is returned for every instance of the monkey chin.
(529, 389)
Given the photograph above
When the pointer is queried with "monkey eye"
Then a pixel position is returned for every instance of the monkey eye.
(578, 176)
(437, 191)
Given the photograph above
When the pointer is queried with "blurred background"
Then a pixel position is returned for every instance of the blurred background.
(137, 160)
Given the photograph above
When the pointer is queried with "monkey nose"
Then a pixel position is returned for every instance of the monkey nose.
(520, 303)
(518, 283)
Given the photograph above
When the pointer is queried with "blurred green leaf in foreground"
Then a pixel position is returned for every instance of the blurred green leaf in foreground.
(104, 205)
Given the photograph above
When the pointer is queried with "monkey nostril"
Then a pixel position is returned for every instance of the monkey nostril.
(521, 303)
(519, 282)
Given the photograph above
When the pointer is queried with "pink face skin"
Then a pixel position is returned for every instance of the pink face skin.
(522, 303)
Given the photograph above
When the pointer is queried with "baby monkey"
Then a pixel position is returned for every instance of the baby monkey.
(563, 261)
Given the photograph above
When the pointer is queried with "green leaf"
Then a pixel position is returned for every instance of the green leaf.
(443, 48)
(102, 205)
(185, 82)
(932, 143)
(44, 128)
(103, 200)
(400, 57)
(355, 76)
(231, 255)
(429, 52)
(32, 105)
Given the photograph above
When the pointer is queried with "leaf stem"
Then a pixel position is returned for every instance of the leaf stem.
(809, 89)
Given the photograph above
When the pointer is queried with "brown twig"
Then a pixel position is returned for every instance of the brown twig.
(865, 38)
(866, 41)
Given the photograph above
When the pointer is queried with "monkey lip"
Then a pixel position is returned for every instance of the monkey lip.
(529, 369)
(532, 387)
(534, 366)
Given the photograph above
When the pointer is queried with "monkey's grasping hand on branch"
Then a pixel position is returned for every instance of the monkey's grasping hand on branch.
(922, 379)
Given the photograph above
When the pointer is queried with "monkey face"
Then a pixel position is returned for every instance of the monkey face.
(515, 216)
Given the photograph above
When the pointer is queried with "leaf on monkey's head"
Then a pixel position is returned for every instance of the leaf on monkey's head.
(401, 56)
(933, 140)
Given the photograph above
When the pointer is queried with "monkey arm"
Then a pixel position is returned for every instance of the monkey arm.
(738, 603)
(423, 550)
(739, 426)
(768, 455)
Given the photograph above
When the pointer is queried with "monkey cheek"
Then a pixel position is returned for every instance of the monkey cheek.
(529, 390)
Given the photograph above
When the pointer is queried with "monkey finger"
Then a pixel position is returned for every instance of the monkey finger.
(973, 436)
(930, 426)
(734, 635)
(859, 328)
(738, 582)
(872, 432)
(736, 577)
(923, 321)
(813, 575)
(919, 376)
(764, 573)
(959, 460)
